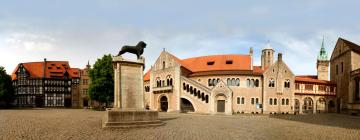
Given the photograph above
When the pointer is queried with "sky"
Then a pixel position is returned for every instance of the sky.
(84, 30)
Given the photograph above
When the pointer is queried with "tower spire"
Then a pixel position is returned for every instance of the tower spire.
(323, 56)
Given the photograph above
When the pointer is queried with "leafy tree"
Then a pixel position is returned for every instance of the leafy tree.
(7, 94)
(101, 88)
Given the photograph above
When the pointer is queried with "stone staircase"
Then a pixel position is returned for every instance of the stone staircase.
(195, 91)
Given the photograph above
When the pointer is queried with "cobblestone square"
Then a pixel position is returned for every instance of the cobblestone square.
(86, 124)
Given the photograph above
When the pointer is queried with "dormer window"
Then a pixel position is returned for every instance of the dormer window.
(229, 61)
(210, 62)
(49, 68)
(52, 64)
(58, 68)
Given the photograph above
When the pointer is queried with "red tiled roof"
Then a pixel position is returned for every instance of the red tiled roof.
(147, 75)
(312, 79)
(52, 69)
(200, 64)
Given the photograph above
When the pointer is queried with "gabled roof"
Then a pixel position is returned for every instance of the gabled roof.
(312, 79)
(52, 69)
(351, 45)
(216, 64)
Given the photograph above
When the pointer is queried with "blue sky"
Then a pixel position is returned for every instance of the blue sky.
(82, 30)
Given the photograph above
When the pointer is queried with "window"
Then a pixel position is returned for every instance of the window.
(257, 101)
(163, 66)
(237, 82)
(233, 82)
(257, 83)
(209, 83)
(297, 86)
(252, 83)
(287, 101)
(229, 61)
(228, 82)
(309, 87)
(283, 101)
(337, 69)
(248, 82)
(238, 100)
(342, 67)
(270, 101)
(252, 101)
(275, 101)
(287, 83)
(242, 100)
(210, 63)
(271, 82)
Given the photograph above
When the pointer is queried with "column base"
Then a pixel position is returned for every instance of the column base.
(116, 118)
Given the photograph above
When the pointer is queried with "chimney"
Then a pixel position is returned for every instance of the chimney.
(44, 67)
(251, 53)
(280, 57)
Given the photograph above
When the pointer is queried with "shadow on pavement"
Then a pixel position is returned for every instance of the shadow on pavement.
(330, 119)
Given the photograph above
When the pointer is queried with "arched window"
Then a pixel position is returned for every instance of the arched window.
(270, 101)
(287, 101)
(252, 83)
(207, 98)
(217, 80)
(233, 82)
(171, 81)
(191, 90)
(242, 100)
(198, 94)
(283, 101)
(194, 90)
(202, 96)
(214, 82)
(163, 66)
(237, 82)
(271, 82)
(228, 82)
(209, 82)
(287, 83)
(248, 82)
(257, 83)
(184, 86)
(275, 101)
(187, 88)
(167, 82)
(238, 100)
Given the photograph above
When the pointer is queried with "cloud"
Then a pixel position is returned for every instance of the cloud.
(30, 42)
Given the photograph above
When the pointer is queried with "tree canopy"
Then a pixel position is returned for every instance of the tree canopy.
(101, 75)
(6, 89)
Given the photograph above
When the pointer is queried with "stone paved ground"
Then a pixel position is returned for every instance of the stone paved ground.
(86, 124)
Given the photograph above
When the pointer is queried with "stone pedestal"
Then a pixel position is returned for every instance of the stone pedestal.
(129, 102)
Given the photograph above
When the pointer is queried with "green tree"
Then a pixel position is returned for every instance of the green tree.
(101, 88)
(7, 94)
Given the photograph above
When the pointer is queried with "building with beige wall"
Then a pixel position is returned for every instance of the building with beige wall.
(344, 71)
(223, 84)
(84, 86)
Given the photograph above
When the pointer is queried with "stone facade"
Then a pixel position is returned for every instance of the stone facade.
(344, 61)
(84, 87)
(175, 85)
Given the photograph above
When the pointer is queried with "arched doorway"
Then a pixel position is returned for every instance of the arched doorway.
(297, 106)
(331, 107)
(320, 105)
(308, 105)
(164, 104)
(220, 103)
(186, 106)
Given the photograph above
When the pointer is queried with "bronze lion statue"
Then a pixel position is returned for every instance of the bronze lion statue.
(138, 50)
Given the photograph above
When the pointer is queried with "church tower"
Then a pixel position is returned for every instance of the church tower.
(267, 56)
(322, 64)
